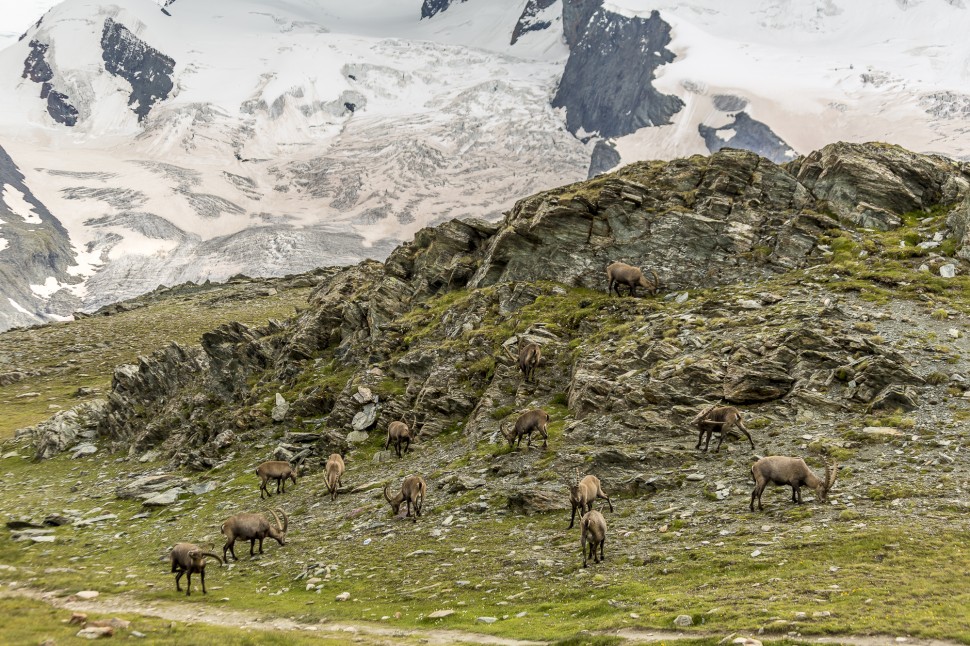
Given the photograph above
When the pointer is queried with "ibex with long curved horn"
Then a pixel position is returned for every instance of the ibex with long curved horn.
(582, 495)
(530, 354)
(620, 273)
(187, 559)
(412, 492)
(535, 420)
(252, 528)
(782, 470)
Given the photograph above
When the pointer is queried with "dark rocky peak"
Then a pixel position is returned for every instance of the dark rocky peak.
(606, 87)
(575, 18)
(748, 134)
(529, 20)
(432, 7)
(605, 157)
(147, 70)
(38, 70)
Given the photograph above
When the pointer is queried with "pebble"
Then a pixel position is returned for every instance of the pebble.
(487, 620)
(87, 594)
(438, 614)
(683, 621)
(343, 596)
(949, 270)
(695, 477)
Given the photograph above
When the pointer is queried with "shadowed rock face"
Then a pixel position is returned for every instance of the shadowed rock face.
(748, 134)
(528, 21)
(36, 248)
(147, 70)
(575, 17)
(606, 87)
(603, 159)
(37, 69)
(432, 7)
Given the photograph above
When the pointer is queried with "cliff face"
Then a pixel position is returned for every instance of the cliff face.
(426, 329)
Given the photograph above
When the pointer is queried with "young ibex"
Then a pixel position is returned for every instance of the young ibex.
(188, 559)
(412, 492)
(593, 531)
(333, 472)
(530, 354)
(278, 470)
(719, 419)
(781, 470)
(398, 432)
(583, 494)
(252, 528)
(620, 273)
(533, 420)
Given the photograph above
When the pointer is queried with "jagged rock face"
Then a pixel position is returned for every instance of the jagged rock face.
(872, 184)
(529, 20)
(690, 220)
(431, 7)
(35, 253)
(147, 70)
(748, 134)
(605, 158)
(723, 220)
(38, 70)
(575, 18)
(606, 87)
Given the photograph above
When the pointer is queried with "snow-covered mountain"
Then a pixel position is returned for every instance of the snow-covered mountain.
(148, 143)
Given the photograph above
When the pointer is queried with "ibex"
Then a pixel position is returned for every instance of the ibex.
(582, 495)
(781, 470)
(530, 421)
(620, 273)
(593, 531)
(530, 354)
(333, 472)
(412, 492)
(278, 470)
(720, 419)
(187, 559)
(252, 528)
(398, 433)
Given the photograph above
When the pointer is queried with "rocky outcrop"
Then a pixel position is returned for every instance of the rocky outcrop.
(430, 8)
(37, 69)
(607, 85)
(605, 157)
(147, 70)
(871, 185)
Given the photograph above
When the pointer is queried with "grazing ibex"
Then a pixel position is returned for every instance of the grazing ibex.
(333, 472)
(782, 470)
(252, 528)
(398, 433)
(582, 495)
(187, 559)
(620, 273)
(533, 420)
(720, 419)
(278, 470)
(530, 354)
(593, 531)
(412, 492)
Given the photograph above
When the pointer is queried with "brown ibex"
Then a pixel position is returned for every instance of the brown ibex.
(278, 470)
(620, 273)
(720, 419)
(530, 354)
(582, 495)
(332, 473)
(782, 470)
(252, 528)
(530, 421)
(412, 492)
(188, 559)
(593, 531)
(398, 433)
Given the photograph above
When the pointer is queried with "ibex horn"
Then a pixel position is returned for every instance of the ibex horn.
(211, 555)
(388, 498)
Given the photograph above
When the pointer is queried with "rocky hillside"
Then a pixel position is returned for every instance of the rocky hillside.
(825, 298)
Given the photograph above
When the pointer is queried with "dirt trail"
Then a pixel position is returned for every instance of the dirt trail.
(372, 633)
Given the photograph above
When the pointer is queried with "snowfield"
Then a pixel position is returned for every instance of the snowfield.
(274, 136)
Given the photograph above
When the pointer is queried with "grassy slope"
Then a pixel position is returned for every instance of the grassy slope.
(883, 570)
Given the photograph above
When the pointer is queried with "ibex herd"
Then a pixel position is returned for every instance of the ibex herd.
(187, 558)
